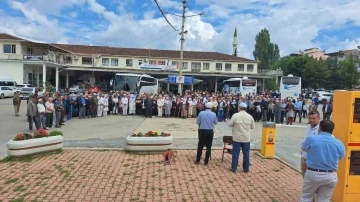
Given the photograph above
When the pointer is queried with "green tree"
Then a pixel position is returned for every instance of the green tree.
(334, 68)
(348, 73)
(316, 73)
(265, 51)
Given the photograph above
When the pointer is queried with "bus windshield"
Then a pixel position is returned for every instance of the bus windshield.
(291, 80)
(126, 83)
(248, 83)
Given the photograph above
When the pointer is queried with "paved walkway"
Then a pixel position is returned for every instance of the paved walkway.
(84, 175)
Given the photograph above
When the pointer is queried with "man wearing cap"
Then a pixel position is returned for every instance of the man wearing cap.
(241, 123)
(206, 121)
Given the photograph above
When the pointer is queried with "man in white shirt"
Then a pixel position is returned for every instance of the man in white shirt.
(241, 122)
(312, 129)
(41, 112)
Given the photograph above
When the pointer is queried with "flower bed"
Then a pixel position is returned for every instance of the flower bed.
(151, 141)
(26, 144)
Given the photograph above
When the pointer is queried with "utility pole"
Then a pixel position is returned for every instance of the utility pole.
(182, 40)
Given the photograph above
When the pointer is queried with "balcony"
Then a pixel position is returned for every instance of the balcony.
(47, 58)
(268, 72)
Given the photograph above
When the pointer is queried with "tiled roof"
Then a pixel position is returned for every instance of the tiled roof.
(137, 52)
(9, 37)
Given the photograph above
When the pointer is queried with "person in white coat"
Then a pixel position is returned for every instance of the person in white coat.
(190, 109)
(160, 106)
(124, 104)
(132, 104)
(106, 105)
(100, 108)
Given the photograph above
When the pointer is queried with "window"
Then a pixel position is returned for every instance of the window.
(196, 65)
(241, 67)
(250, 68)
(219, 66)
(206, 66)
(175, 63)
(68, 60)
(140, 62)
(9, 48)
(228, 67)
(86, 60)
(161, 62)
(248, 82)
(290, 80)
(30, 51)
(184, 65)
(114, 62)
(7, 83)
(152, 62)
(129, 62)
(105, 61)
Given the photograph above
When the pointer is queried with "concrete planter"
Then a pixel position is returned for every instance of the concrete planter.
(151, 144)
(34, 146)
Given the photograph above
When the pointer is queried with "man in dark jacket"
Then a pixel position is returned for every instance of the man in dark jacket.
(327, 110)
(264, 108)
(82, 104)
(31, 113)
(148, 106)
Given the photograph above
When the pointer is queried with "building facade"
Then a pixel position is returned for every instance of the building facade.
(64, 64)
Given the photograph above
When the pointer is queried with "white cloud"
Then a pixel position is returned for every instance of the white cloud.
(292, 24)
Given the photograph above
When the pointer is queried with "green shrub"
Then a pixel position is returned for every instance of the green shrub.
(140, 134)
(56, 133)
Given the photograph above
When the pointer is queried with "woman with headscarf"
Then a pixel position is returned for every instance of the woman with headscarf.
(233, 108)
(106, 105)
(167, 107)
(184, 108)
(138, 105)
(132, 104)
(160, 106)
(100, 107)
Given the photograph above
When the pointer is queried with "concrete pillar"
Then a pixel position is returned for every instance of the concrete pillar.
(93, 73)
(67, 79)
(215, 84)
(263, 85)
(57, 79)
(192, 87)
(37, 76)
(44, 77)
(168, 87)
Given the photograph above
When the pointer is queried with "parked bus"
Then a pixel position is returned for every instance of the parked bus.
(8, 82)
(135, 83)
(244, 86)
(290, 86)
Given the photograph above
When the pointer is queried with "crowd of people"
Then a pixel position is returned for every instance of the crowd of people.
(63, 107)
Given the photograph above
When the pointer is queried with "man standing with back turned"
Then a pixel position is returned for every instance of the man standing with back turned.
(206, 121)
(323, 154)
(241, 122)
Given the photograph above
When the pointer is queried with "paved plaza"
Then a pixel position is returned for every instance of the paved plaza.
(79, 175)
(92, 166)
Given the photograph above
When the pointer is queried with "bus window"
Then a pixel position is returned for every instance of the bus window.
(248, 83)
(291, 80)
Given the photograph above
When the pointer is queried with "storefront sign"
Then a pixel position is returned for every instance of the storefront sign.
(158, 67)
(187, 80)
(33, 57)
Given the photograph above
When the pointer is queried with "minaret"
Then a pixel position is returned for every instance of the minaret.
(235, 43)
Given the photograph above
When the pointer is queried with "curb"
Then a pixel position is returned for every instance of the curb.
(290, 126)
(280, 160)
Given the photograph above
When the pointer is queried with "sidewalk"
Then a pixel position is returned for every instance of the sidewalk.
(85, 175)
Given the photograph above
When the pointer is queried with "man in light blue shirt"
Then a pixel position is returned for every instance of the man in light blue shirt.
(323, 154)
(206, 121)
(298, 109)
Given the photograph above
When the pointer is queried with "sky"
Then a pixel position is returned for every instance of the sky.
(295, 25)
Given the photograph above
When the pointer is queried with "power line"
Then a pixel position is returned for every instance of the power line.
(163, 14)
(159, 37)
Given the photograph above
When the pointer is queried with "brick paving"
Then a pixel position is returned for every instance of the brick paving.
(85, 175)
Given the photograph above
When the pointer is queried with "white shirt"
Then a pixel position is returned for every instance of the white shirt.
(160, 102)
(241, 122)
(124, 100)
(49, 107)
(310, 131)
(41, 108)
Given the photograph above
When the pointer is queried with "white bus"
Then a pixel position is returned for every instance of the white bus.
(8, 82)
(135, 83)
(290, 86)
(244, 86)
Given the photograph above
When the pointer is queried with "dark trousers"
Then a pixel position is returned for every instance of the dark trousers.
(81, 112)
(245, 147)
(298, 113)
(304, 112)
(264, 114)
(270, 116)
(88, 112)
(32, 120)
(62, 117)
(49, 119)
(282, 116)
(205, 139)
(148, 111)
(326, 116)
(277, 116)
(57, 119)
(93, 110)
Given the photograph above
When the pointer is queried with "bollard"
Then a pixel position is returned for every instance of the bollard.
(268, 139)
(346, 117)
